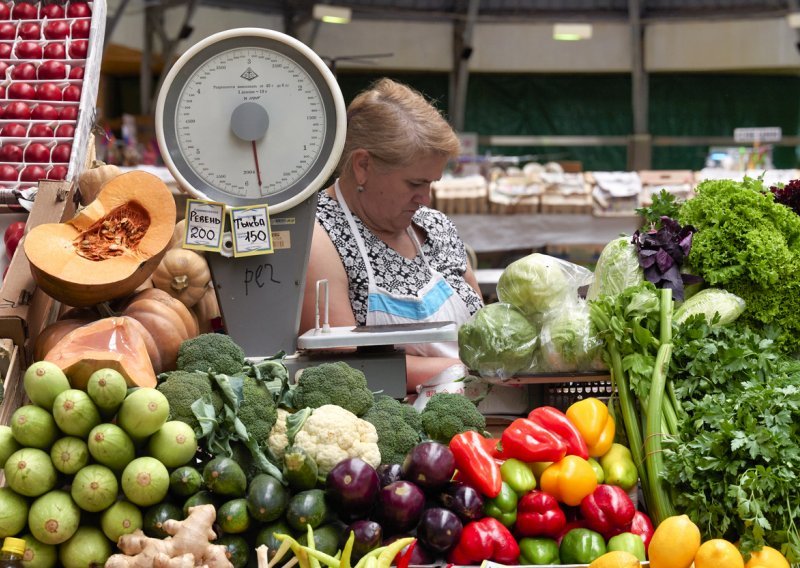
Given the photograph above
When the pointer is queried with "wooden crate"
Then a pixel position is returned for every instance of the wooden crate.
(461, 195)
(577, 204)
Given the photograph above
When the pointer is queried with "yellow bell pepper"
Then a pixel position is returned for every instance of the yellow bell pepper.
(569, 480)
(590, 416)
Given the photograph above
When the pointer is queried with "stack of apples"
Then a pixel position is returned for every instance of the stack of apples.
(43, 51)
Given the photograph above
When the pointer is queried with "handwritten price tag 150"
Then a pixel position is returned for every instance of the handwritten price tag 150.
(251, 231)
(204, 223)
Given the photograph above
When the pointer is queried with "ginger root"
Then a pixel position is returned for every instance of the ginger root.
(188, 546)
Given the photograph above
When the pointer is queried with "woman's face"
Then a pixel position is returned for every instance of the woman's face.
(393, 196)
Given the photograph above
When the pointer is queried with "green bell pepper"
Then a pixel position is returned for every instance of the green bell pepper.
(619, 467)
(503, 507)
(598, 470)
(628, 542)
(538, 551)
(581, 546)
(518, 475)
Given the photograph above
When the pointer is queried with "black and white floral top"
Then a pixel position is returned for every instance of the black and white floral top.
(442, 247)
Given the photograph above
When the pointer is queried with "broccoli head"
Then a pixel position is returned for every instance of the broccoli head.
(333, 383)
(448, 414)
(398, 425)
(211, 352)
(257, 411)
(182, 389)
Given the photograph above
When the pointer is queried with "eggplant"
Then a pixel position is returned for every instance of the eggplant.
(439, 529)
(430, 465)
(368, 536)
(400, 505)
(389, 473)
(420, 556)
(464, 500)
(351, 488)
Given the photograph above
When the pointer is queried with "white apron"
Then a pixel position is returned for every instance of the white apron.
(435, 302)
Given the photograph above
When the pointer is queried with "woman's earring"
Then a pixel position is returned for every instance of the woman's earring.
(360, 188)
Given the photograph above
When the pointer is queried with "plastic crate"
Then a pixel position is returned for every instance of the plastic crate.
(562, 395)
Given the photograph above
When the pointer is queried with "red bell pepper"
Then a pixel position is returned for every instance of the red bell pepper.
(557, 422)
(538, 514)
(475, 463)
(608, 510)
(486, 539)
(527, 441)
(643, 526)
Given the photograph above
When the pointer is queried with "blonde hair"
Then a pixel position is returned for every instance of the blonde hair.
(395, 124)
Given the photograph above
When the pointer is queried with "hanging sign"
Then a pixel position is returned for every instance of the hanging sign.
(763, 134)
(251, 230)
(204, 223)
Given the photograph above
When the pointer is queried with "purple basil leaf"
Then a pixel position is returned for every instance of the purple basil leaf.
(672, 279)
(664, 261)
(689, 279)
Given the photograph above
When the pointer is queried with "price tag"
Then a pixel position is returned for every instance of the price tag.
(204, 224)
(251, 231)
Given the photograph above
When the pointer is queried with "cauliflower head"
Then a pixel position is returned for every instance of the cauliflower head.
(278, 439)
(332, 434)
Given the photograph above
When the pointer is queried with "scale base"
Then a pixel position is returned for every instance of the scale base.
(385, 368)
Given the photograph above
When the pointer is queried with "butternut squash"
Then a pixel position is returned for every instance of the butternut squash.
(109, 248)
(183, 274)
(117, 343)
(207, 310)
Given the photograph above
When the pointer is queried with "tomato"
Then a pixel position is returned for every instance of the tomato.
(12, 236)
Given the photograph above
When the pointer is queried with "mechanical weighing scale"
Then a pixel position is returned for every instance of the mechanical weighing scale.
(251, 116)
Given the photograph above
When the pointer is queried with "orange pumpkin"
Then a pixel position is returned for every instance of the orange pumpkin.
(207, 310)
(183, 274)
(109, 248)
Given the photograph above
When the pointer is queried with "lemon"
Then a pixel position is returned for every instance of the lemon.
(675, 543)
(767, 557)
(717, 552)
(616, 559)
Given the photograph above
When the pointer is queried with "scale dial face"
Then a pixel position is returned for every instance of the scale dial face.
(251, 116)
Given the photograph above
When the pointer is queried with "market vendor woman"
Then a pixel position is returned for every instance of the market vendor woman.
(387, 256)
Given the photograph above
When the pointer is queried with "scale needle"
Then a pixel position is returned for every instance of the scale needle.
(255, 157)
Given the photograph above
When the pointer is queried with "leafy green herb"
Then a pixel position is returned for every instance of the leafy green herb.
(664, 204)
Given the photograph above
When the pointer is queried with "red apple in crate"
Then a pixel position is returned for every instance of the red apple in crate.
(24, 91)
(5, 50)
(78, 49)
(24, 72)
(3, 69)
(51, 11)
(48, 92)
(18, 110)
(61, 153)
(5, 11)
(12, 236)
(72, 93)
(14, 130)
(2, 92)
(40, 130)
(76, 73)
(51, 69)
(56, 29)
(30, 50)
(79, 10)
(37, 153)
(81, 29)
(24, 11)
(68, 113)
(8, 173)
(30, 30)
(8, 30)
(44, 111)
(57, 172)
(55, 50)
(65, 131)
(11, 153)
(32, 173)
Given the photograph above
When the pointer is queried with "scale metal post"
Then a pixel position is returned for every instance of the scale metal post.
(251, 116)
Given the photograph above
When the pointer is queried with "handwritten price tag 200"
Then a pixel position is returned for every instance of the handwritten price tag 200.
(251, 230)
(204, 222)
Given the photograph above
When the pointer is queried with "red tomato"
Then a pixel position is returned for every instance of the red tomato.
(12, 236)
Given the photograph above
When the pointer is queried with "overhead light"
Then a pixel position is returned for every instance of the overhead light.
(332, 14)
(572, 32)
(794, 20)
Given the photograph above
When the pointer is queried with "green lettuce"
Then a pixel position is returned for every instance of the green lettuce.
(617, 268)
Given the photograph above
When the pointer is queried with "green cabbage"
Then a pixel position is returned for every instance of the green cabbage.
(534, 284)
(709, 302)
(617, 268)
(498, 341)
(569, 341)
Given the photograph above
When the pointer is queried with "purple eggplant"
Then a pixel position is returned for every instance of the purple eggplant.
(400, 505)
(439, 529)
(420, 556)
(389, 473)
(464, 500)
(351, 488)
(430, 465)
(368, 536)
